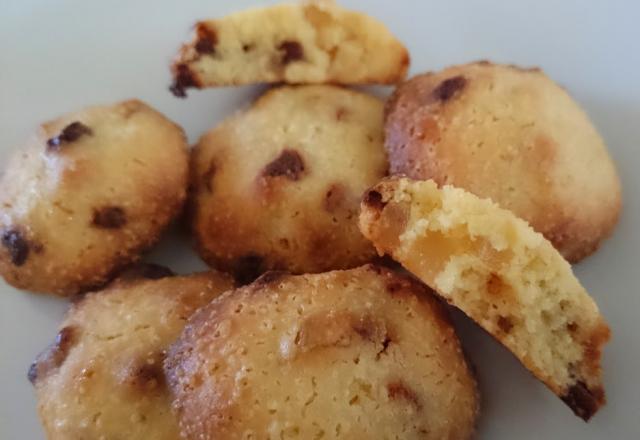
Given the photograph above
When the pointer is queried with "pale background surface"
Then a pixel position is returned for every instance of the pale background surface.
(57, 56)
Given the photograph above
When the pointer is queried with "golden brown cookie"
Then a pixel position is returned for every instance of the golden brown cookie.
(499, 271)
(363, 353)
(102, 378)
(514, 136)
(278, 186)
(87, 194)
(297, 43)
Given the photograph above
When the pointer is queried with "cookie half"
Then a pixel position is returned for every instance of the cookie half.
(363, 353)
(103, 377)
(297, 43)
(87, 194)
(501, 273)
(278, 186)
(514, 136)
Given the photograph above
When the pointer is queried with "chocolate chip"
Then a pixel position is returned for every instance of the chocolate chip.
(16, 245)
(183, 78)
(449, 87)
(247, 47)
(373, 200)
(288, 164)
(583, 401)
(54, 355)
(399, 391)
(395, 287)
(109, 217)
(248, 268)
(495, 285)
(32, 374)
(504, 324)
(291, 51)
(207, 177)
(145, 374)
(69, 134)
(334, 197)
(207, 39)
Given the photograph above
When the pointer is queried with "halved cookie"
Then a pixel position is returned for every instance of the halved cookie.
(362, 353)
(499, 271)
(298, 43)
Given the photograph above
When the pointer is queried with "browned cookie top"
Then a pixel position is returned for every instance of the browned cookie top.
(512, 135)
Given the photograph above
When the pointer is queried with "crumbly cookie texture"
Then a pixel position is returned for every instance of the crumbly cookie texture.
(297, 43)
(88, 194)
(278, 186)
(501, 273)
(514, 136)
(362, 353)
(102, 378)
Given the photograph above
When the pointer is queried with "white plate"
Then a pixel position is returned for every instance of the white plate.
(57, 56)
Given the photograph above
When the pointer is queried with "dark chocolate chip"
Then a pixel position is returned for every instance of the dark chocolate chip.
(395, 287)
(449, 87)
(248, 268)
(54, 355)
(334, 197)
(207, 177)
(109, 217)
(32, 374)
(145, 376)
(583, 401)
(207, 39)
(400, 391)
(373, 199)
(288, 164)
(291, 51)
(505, 324)
(16, 245)
(183, 79)
(69, 134)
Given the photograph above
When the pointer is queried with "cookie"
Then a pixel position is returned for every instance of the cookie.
(87, 194)
(362, 353)
(512, 135)
(278, 186)
(297, 43)
(102, 378)
(501, 273)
